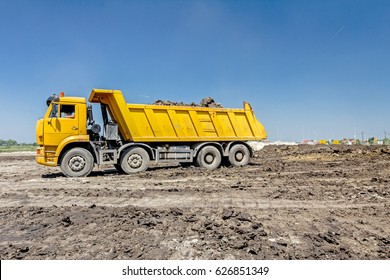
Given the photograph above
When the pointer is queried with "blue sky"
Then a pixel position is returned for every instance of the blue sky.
(310, 69)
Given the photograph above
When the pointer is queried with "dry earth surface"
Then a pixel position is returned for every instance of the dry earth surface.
(291, 202)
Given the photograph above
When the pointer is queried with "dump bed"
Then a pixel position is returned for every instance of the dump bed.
(156, 123)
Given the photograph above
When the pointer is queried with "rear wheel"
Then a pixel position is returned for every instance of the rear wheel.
(77, 162)
(239, 155)
(209, 157)
(134, 160)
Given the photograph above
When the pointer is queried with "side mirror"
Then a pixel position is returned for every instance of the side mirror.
(54, 111)
(51, 98)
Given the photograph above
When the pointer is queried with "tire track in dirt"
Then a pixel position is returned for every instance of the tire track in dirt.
(224, 200)
(291, 202)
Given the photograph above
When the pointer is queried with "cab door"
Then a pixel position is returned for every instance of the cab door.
(61, 122)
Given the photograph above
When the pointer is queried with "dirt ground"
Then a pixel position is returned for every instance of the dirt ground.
(291, 202)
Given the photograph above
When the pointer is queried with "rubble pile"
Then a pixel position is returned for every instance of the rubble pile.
(206, 102)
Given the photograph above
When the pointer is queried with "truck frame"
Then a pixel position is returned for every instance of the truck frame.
(135, 134)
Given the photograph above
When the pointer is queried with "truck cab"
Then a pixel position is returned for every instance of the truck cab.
(64, 123)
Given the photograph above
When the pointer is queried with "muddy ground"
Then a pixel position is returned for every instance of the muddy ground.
(291, 202)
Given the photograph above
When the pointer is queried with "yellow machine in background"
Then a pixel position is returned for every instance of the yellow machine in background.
(134, 134)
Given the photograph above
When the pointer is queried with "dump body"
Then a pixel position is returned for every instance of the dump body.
(156, 123)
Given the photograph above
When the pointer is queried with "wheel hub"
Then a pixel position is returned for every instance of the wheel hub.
(239, 156)
(135, 161)
(209, 158)
(77, 163)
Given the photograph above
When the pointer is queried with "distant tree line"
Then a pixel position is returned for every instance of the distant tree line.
(11, 142)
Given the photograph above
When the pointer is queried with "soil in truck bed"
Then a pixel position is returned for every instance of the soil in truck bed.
(206, 102)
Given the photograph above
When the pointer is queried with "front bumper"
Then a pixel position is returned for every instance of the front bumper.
(47, 158)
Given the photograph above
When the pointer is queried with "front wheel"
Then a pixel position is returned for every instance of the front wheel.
(119, 168)
(239, 155)
(134, 160)
(77, 162)
(209, 157)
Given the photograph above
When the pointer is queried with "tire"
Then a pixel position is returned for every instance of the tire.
(209, 157)
(119, 168)
(77, 162)
(186, 164)
(239, 155)
(134, 160)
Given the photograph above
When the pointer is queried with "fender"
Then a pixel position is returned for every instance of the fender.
(68, 140)
(227, 150)
(147, 148)
(199, 146)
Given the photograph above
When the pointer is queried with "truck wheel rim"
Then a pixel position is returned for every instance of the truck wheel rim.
(239, 156)
(76, 163)
(135, 161)
(209, 158)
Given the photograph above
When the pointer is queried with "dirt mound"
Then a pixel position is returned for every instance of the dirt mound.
(206, 102)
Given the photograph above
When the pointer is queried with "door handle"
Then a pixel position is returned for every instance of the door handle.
(75, 127)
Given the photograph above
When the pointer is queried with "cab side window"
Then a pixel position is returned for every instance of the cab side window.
(67, 111)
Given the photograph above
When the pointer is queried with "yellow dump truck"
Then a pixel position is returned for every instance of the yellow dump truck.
(135, 134)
